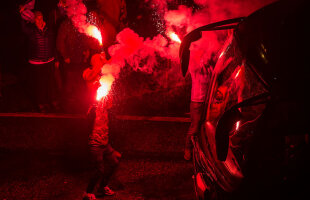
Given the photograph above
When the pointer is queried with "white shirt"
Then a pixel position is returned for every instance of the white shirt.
(200, 83)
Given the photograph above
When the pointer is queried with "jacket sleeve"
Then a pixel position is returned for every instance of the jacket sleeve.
(60, 40)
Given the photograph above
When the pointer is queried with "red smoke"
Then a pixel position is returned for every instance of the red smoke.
(142, 53)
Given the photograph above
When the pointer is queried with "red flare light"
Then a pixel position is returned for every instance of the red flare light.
(237, 74)
(105, 86)
(237, 125)
(174, 37)
(94, 32)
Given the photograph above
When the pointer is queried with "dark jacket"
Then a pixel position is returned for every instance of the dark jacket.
(71, 43)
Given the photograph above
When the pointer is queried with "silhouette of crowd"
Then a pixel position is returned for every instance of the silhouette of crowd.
(58, 51)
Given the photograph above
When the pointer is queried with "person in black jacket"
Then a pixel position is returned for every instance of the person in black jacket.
(41, 59)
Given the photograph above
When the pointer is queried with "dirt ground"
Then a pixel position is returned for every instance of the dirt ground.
(41, 177)
(152, 166)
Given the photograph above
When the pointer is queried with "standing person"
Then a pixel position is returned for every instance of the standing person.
(41, 58)
(200, 82)
(73, 50)
(58, 15)
(104, 157)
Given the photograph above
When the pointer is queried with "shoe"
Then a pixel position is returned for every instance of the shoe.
(187, 154)
(107, 191)
(89, 196)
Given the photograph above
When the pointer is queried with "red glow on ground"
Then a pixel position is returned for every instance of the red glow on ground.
(94, 32)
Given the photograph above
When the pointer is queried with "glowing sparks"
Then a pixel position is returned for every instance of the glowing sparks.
(221, 54)
(237, 74)
(105, 86)
(94, 32)
(174, 37)
(237, 125)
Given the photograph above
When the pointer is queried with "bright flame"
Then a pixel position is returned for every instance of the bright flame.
(237, 125)
(221, 54)
(238, 72)
(105, 86)
(174, 37)
(94, 32)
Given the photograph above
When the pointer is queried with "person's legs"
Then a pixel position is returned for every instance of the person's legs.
(93, 181)
(40, 85)
(29, 77)
(111, 162)
(111, 165)
(97, 159)
(106, 162)
(196, 111)
(54, 85)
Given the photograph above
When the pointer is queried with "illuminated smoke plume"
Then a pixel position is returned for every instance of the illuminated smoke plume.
(145, 54)
(210, 11)
(139, 53)
(76, 11)
(142, 53)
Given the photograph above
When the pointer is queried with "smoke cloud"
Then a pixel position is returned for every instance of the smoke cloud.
(146, 54)
(142, 53)
(76, 11)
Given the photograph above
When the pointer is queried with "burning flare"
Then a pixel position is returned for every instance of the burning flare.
(94, 32)
(174, 37)
(238, 72)
(237, 125)
(105, 86)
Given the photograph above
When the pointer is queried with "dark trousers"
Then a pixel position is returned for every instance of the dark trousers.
(42, 83)
(74, 95)
(196, 112)
(105, 165)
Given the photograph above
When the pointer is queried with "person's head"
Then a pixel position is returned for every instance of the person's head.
(38, 19)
